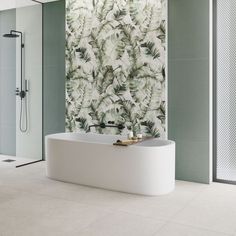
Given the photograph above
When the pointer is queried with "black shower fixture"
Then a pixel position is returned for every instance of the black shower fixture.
(11, 35)
(16, 34)
(22, 91)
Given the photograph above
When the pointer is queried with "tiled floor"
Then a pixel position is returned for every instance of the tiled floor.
(33, 205)
(17, 161)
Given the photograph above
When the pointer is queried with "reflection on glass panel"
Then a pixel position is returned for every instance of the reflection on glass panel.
(226, 89)
(21, 79)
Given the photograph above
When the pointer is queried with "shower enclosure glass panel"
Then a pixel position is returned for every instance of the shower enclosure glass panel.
(225, 90)
(21, 67)
(29, 110)
(7, 84)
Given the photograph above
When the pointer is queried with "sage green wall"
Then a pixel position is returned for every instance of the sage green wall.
(188, 87)
(54, 67)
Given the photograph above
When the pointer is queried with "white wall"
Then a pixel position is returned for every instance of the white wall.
(10, 4)
(29, 21)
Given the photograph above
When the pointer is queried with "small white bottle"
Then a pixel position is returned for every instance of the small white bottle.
(130, 135)
(139, 136)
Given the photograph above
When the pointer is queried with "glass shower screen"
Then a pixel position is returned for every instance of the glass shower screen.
(225, 90)
(21, 80)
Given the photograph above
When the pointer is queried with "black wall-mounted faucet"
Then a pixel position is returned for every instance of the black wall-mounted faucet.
(103, 126)
(111, 124)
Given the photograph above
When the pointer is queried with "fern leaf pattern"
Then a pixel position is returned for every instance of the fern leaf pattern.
(115, 65)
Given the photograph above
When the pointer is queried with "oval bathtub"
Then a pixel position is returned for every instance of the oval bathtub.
(146, 168)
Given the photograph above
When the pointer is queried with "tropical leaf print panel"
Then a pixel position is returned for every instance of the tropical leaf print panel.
(115, 61)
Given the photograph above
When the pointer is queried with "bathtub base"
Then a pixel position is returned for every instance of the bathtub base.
(135, 169)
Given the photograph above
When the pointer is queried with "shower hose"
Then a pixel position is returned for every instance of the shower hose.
(23, 122)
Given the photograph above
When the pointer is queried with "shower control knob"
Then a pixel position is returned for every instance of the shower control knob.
(17, 92)
(22, 94)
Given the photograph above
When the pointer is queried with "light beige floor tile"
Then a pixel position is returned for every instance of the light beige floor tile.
(216, 218)
(30, 213)
(122, 224)
(25, 180)
(31, 204)
(214, 209)
(166, 206)
(109, 200)
(220, 195)
(186, 186)
(7, 194)
(172, 229)
(12, 165)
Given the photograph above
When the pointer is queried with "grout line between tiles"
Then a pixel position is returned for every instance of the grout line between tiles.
(202, 228)
(171, 220)
(158, 230)
(187, 203)
(112, 210)
(107, 208)
(58, 198)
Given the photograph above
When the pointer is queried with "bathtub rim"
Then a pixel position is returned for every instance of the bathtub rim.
(55, 137)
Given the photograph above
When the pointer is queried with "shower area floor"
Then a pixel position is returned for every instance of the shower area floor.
(12, 161)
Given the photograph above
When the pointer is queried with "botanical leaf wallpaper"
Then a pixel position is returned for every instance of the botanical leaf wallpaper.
(116, 64)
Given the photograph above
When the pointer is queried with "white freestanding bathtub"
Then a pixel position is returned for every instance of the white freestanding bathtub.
(146, 168)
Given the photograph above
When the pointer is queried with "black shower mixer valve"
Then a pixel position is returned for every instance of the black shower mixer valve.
(21, 93)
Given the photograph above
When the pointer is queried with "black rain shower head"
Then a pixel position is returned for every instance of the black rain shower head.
(11, 35)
